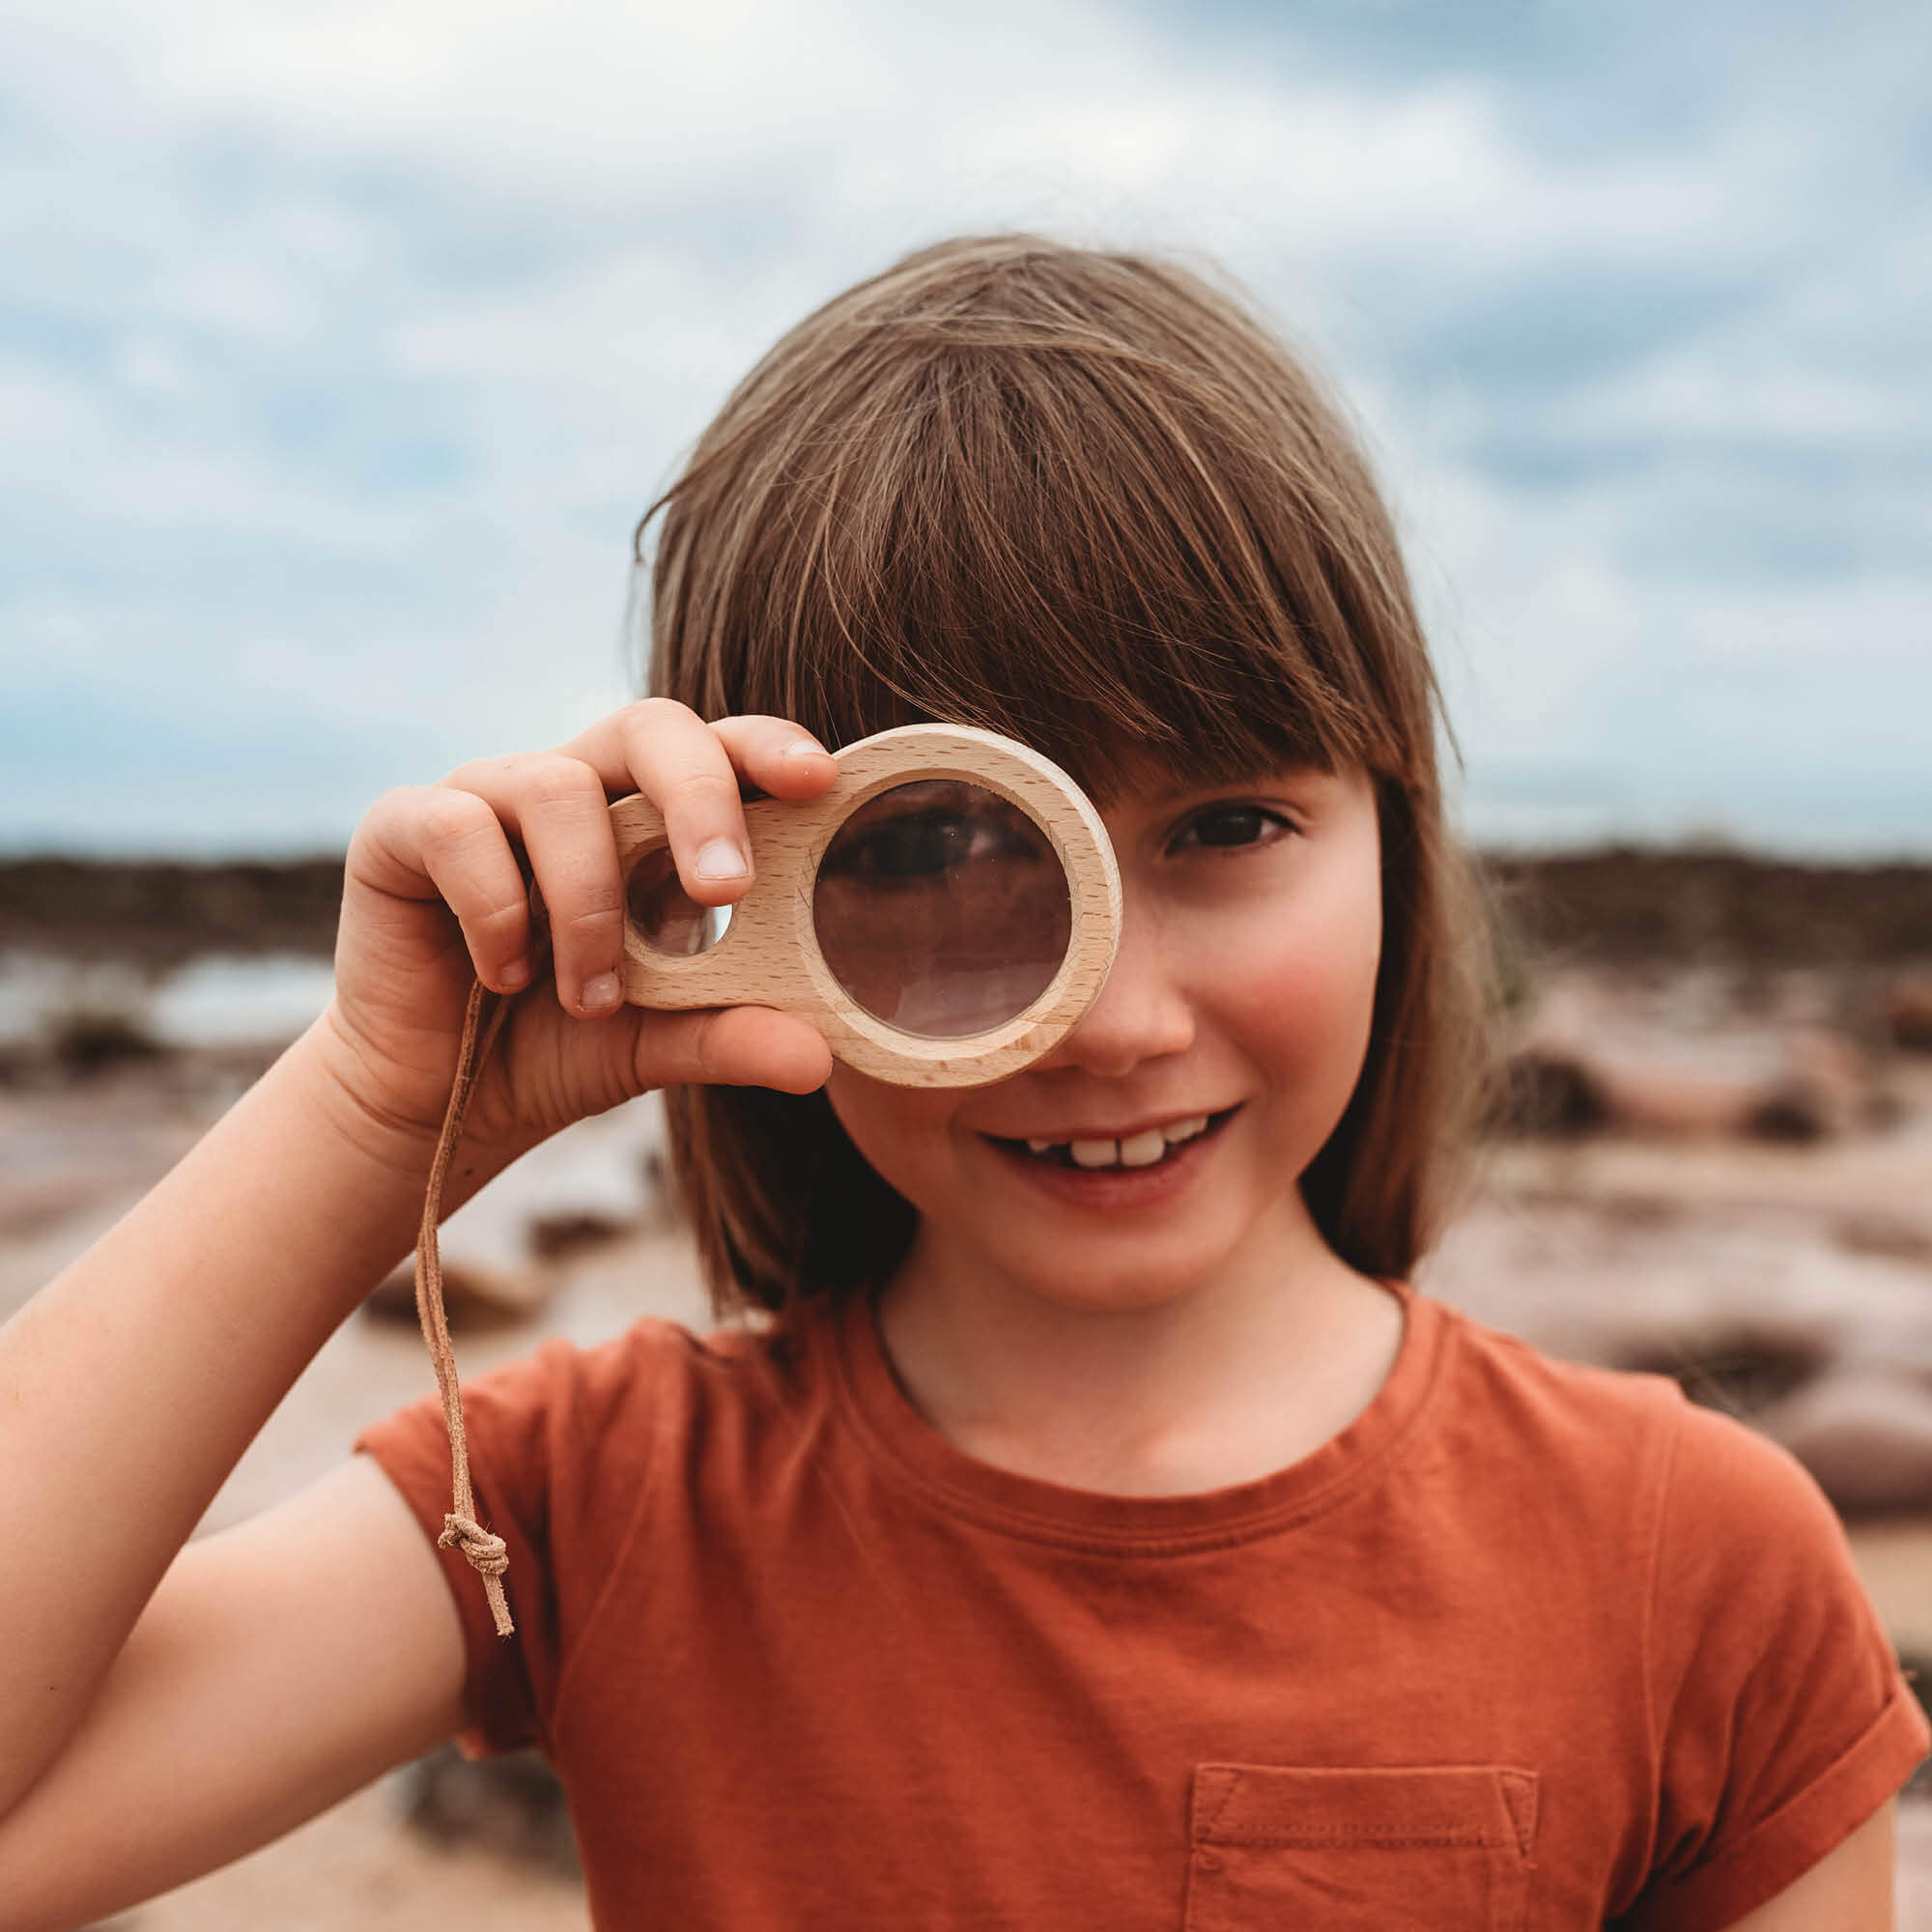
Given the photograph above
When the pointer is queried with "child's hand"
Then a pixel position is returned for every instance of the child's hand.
(434, 892)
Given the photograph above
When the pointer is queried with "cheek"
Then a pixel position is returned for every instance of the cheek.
(1346, 983)
(901, 1132)
(1311, 998)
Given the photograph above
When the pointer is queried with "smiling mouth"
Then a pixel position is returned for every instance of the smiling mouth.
(1142, 1150)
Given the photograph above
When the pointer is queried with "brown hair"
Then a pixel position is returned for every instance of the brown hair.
(1088, 501)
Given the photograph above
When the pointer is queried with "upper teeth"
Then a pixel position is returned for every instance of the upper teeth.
(1140, 1149)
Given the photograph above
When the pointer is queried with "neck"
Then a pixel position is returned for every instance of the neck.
(1223, 1382)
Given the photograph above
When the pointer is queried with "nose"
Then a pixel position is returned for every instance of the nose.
(1144, 1010)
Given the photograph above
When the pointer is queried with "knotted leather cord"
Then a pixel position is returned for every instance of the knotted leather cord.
(488, 1554)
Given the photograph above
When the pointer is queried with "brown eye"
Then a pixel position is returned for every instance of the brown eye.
(1224, 827)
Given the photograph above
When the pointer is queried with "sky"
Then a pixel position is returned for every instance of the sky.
(341, 346)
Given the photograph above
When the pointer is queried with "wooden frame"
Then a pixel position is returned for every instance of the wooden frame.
(769, 955)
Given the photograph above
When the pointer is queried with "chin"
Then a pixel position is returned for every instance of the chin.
(1096, 1284)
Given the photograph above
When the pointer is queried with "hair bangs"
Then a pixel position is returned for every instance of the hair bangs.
(1030, 523)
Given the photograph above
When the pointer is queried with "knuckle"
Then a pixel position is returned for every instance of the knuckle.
(503, 924)
(698, 791)
(385, 814)
(657, 730)
(551, 781)
(453, 818)
(649, 711)
(648, 719)
(590, 917)
(474, 774)
(701, 1047)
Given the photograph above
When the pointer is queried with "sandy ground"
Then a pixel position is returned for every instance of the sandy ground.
(1577, 1246)
(360, 1869)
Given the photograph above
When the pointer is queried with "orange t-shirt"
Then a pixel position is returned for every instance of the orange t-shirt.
(1528, 1645)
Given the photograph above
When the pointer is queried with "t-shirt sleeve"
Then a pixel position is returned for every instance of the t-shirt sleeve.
(1780, 1716)
(560, 1469)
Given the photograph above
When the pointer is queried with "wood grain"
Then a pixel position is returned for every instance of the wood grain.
(770, 956)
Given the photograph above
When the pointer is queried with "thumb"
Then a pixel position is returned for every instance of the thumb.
(732, 1046)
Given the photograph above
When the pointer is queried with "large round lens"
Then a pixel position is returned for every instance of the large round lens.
(942, 909)
(670, 918)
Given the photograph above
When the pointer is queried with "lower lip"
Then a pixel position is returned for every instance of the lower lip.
(1116, 1189)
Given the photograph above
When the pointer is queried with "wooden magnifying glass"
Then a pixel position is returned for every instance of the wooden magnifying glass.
(944, 914)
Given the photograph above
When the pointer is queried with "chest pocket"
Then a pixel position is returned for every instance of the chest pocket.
(1410, 1848)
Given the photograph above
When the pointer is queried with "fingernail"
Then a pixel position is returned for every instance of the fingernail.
(515, 975)
(720, 860)
(803, 748)
(601, 994)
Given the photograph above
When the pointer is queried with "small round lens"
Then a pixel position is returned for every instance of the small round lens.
(670, 918)
(942, 909)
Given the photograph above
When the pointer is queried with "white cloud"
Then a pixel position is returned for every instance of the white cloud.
(510, 91)
(77, 447)
(401, 312)
(1880, 627)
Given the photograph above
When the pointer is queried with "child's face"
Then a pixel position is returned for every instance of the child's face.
(1243, 994)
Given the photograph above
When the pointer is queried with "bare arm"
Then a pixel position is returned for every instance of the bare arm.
(279, 1666)
(1847, 1890)
(129, 1386)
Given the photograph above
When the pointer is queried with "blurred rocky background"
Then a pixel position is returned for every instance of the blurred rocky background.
(1709, 1154)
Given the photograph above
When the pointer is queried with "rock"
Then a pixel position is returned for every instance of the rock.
(1905, 1006)
(1742, 1369)
(474, 1297)
(1792, 1113)
(1893, 1235)
(1864, 1430)
(1916, 1672)
(557, 1237)
(595, 1183)
(1546, 1094)
(1590, 1054)
(1827, 1089)
(1664, 1094)
(512, 1804)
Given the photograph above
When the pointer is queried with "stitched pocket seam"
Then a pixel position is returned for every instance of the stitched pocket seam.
(1368, 1838)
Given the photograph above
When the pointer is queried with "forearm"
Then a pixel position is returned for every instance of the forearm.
(131, 1384)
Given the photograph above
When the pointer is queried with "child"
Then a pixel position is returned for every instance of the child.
(1092, 1532)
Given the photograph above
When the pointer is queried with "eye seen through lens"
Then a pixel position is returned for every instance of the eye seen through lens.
(942, 909)
(668, 918)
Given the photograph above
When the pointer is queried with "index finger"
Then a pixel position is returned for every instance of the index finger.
(774, 755)
(690, 772)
